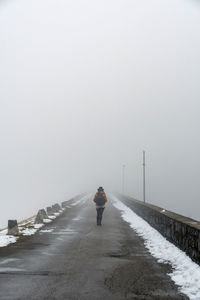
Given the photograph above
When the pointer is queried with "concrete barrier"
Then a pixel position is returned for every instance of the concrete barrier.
(41, 215)
(13, 227)
(49, 211)
(181, 231)
(56, 208)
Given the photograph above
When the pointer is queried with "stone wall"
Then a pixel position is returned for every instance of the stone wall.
(181, 231)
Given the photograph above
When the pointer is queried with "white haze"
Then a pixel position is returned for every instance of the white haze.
(85, 86)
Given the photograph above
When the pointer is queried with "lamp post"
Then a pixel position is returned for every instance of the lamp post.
(123, 177)
(144, 179)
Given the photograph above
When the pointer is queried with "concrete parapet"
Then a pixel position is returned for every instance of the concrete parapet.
(63, 204)
(56, 208)
(13, 227)
(49, 211)
(181, 231)
(41, 215)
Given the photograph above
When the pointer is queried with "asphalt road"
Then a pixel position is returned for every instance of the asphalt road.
(75, 259)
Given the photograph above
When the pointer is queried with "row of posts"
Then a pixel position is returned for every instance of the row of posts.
(42, 214)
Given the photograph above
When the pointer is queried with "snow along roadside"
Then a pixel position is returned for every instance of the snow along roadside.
(186, 273)
(26, 228)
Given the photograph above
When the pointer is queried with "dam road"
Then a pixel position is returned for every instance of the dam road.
(72, 258)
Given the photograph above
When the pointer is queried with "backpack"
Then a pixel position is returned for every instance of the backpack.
(100, 199)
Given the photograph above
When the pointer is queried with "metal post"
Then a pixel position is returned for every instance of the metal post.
(144, 183)
(123, 175)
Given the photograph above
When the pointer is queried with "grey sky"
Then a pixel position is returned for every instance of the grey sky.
(85, 86)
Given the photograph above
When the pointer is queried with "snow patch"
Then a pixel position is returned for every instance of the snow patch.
(37, 226)
(52, 217)
(47, 221)
(6, 239)
(28, 231)
(57, 214)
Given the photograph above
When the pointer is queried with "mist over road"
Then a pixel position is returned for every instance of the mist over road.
(85, 87)
(72, 258)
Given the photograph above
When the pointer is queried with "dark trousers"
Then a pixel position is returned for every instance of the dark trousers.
(99, 215)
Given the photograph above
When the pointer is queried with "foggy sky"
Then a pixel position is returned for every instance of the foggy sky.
(85, 86)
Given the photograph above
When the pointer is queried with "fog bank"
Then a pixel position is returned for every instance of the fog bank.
(85, 86)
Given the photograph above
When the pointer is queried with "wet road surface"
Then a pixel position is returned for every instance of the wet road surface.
(72, 258)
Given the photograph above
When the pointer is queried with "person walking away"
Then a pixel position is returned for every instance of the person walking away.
(100, 199)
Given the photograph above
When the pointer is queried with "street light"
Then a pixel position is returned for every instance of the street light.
(144, 179)
(123, 177)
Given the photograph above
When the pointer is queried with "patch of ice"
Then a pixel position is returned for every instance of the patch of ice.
(65, 232)
(11, 270)
(47, 253)
(46, 230)
(8, 260)
(186, 273)
(76, 219)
